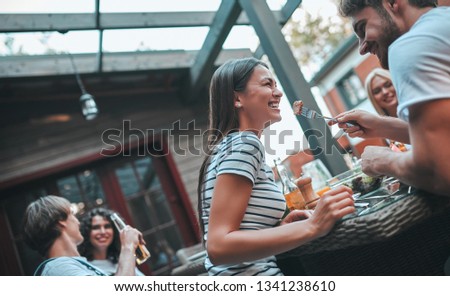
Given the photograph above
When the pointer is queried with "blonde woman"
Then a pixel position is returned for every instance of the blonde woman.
(381, 92)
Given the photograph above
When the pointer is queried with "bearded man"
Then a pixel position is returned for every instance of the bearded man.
(411, 38)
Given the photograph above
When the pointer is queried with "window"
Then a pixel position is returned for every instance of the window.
(82, 189)
(142, 189)
(351, 90)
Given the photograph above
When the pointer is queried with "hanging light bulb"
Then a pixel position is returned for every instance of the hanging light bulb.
(87, 101)
(88, 106)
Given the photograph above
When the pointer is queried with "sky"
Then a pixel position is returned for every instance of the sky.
(156, 39)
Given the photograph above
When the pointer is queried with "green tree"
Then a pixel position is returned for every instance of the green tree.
(314, 37)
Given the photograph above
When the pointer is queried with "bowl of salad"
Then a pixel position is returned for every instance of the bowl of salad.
(356, 180)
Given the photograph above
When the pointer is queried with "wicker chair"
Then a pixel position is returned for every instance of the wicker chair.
(192, 259)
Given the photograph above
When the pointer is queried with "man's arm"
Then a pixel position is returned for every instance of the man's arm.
(427, 166)
(368, 125)
(129, 239)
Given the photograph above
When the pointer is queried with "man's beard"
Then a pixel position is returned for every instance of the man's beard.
(391, 33)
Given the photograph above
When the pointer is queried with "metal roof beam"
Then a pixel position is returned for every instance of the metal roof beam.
(288, 9)
(50, 65)
(63, 22)
(294, 84)
(223, 22)
(286, 13)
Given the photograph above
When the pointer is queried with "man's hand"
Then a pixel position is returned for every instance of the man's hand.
(130, 237)
(367, 125)
(372, 158)
(364, 124)
(129, 240)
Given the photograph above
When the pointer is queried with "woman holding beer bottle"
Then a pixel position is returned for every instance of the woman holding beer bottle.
(101, 244)
(240, 205)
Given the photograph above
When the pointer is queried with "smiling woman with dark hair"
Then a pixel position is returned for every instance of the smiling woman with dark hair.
(240, 206)
(98, 230)
(101, 245)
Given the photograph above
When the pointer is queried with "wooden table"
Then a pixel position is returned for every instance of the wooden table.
(403, 234)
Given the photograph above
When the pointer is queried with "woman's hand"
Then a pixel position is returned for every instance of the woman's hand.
(296, 215)
(332, 206)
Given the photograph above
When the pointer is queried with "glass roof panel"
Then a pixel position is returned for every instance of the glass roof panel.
(39, 43)
(170, 5)
(158, 5)
(154, 39)
(242, 37)
(47, 6)
(80, 6)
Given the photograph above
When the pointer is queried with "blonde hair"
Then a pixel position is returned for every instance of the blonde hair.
(376, 72)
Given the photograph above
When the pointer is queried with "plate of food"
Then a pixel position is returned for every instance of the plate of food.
(357, 181)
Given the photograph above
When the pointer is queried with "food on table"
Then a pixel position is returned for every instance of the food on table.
(397, 146)
(356, 180)
(364, 184)
(297, 106)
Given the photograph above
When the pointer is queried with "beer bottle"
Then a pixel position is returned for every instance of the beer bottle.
(292, 194)
(141, 253)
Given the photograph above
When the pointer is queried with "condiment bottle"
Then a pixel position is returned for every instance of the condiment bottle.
(291, 192)
(141, 253)
(309, 195)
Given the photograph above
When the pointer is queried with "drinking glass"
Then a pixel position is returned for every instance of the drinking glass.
(318, 173)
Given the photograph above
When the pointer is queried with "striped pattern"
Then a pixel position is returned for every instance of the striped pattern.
(242, 153)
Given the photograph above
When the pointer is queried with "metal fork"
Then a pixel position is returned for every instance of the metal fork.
(312, 114)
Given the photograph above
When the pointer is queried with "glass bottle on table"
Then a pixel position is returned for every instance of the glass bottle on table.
(292, 194)
(141, 253)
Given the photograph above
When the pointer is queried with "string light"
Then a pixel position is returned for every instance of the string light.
(87, 101)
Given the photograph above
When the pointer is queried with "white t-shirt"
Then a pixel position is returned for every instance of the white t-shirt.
(242, 153)
(420, 61)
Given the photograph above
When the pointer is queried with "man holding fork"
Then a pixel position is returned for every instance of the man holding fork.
(412, 40)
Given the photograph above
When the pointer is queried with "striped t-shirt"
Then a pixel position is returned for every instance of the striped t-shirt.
(242, 153)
